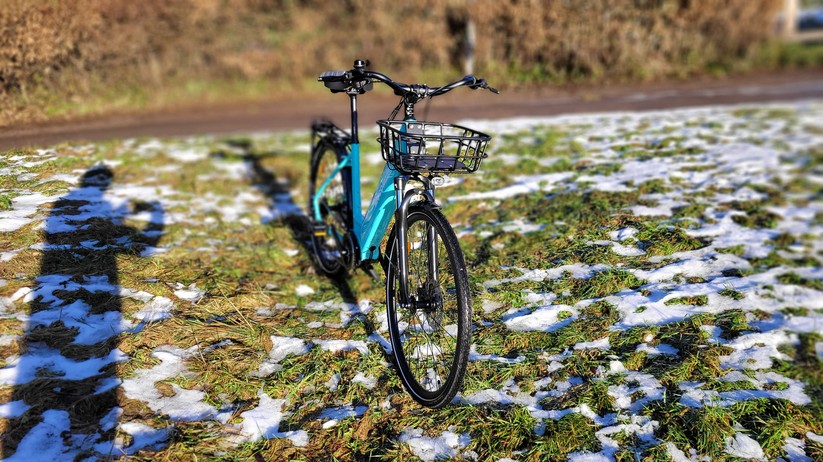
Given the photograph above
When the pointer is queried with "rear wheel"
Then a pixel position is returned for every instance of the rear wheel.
(430, 338)
(327, 235)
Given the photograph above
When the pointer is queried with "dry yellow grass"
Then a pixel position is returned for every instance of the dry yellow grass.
(51, 52)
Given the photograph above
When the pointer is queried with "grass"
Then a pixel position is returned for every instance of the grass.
(600, 351)
(699, 300)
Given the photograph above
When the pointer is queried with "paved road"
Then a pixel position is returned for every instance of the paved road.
(285, 114)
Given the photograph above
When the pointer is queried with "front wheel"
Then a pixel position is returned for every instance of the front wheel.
(430, 337)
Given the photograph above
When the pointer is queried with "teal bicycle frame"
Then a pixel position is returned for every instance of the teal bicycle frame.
(370, 228)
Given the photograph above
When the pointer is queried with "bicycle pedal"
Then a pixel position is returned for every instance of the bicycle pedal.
(319, 229)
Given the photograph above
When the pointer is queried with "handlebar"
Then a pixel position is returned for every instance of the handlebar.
(359, 80)
(424, 91)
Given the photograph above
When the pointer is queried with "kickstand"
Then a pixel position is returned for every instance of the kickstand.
(369, 269)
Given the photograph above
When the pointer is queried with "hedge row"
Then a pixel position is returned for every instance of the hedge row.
(150, 41)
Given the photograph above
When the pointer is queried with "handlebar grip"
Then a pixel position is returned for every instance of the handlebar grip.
(336, 81)
(332, 76)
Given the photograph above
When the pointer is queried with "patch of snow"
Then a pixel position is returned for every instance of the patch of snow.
(266, 369)
(627, 251)
(445, 446)
(522, 185)
(475, 356)
(367, 381)
(576, 270)
(187, 154)
(91, 328)
(335, 346)
(13, 409)
(109, 420)
(543, 318)
(679, 456)
(143, 437)
(756, 350)
(623, 234)
(158, 309)
(38, 359)
(522, 227)
(814, 437)
(600, 344)
(489, 306)
(285, 346)
(140, 295)
(45, 440)
(190, 293)
(333, 382)
(660, 349)
(264, 422)
(303, 290)
(22, 209)
(744, 447)
(7, 256)
(184, 405)
(795, 450)
(333, 415)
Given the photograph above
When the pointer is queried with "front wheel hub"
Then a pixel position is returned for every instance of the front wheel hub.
(429, 297)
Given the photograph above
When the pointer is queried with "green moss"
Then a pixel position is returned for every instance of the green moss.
(660, 239)
(5, 201)
(793, 278)
(698, 300)
(655, 186)
(731, 293)
(737, 250)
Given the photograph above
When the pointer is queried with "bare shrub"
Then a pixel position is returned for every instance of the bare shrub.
(618, 38)
(150, 42)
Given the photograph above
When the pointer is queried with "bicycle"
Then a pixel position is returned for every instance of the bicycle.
(427, 290)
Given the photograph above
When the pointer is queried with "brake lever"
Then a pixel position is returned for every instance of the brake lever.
(483, 84)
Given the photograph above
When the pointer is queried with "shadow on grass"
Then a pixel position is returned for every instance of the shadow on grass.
(283, 208)
(64, 380)
(284, 211)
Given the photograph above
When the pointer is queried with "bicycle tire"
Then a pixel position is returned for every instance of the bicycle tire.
(447, 317)
(334, 208)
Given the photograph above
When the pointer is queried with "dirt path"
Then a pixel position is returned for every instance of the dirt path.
(286, 114)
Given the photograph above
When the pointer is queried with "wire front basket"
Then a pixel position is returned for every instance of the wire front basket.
(431, 147)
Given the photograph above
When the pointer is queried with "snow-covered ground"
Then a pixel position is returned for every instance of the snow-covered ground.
(719, 159)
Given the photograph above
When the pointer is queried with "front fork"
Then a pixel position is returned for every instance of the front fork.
(404, 199)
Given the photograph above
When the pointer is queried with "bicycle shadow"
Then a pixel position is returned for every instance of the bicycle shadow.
(64, 379)
(284, 210)
(280, 203)
(283, 207)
